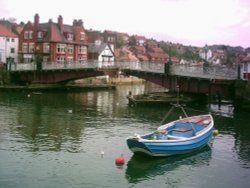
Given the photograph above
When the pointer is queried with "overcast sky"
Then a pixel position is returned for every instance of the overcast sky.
(190, 22)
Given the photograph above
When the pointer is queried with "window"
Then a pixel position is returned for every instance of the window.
(12, 40)
(245, 67)
(81, 59)
(46, 47)
(25, 48)
(8, 39)
(12, 50)
(60, 59)
(31, 47)
(60, 48)
(40, 35)
(111, 39)
(70, 49)
(46, 59)
(70, 36)
(82, 36)
(28, 34)
(82, 50)
(70, 59)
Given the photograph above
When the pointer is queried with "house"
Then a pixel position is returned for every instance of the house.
(142, 58)
(151, 43)
(110, 38)
(8, 44)
(125, 55)
(205, 54)
(245, 68)
(101, 52)
(94, 36)
(137, 40)
(158, 57)
(53, 42)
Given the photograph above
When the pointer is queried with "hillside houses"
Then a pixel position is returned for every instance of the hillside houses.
(57, 42)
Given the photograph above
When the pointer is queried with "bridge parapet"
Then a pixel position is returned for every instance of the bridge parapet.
(142, 66)
(198, 71)
(210, 72)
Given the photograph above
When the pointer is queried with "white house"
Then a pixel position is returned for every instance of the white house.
(8, 44)
(101, 52)
(206, 54)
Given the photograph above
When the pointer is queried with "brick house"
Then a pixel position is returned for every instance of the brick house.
(53, 42)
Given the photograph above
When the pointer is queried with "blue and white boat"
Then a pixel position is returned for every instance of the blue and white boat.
(178, 137)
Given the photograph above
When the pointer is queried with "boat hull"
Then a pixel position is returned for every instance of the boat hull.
(168, 147)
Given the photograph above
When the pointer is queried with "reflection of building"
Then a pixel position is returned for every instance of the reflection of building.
(8, 44)
(55, 42)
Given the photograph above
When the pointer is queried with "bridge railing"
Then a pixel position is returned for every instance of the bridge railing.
(142, 66)
(58, 66)
(201, 71)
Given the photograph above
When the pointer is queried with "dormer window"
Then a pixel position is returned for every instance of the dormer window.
(82, 36)
(70, 36)
(40, 35)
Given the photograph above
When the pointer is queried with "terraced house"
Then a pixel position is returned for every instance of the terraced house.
(53, 42)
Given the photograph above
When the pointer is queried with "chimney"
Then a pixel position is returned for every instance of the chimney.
(74, 22)
(36, 20)
(80, 22)
(60, 22)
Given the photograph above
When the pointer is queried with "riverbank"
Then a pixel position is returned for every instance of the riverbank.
(54, 87)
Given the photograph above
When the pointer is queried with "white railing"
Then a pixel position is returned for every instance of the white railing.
(209, 72)
(142, 66)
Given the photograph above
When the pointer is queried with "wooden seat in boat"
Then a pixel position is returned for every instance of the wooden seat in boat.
(182, 129)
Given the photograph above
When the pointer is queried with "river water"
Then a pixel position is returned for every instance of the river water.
(72, 139)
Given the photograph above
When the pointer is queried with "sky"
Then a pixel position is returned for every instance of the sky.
(189, 22)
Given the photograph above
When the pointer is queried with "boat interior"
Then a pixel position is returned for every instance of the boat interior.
(182, 129)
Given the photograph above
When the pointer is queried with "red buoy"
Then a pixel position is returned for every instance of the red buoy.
(119, 160)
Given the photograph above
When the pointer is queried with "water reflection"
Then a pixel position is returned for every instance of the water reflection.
(140, 167)
(43, 122)
(242, 138)
(39, 132)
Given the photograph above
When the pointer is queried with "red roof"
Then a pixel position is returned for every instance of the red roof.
(5, 32)
(142, 57)
(156, 50)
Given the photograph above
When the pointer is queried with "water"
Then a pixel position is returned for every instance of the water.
(57, 140)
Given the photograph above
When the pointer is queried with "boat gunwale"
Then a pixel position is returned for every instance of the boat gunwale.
(208, 128)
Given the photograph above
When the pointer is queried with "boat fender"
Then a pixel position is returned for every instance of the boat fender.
(137, 135)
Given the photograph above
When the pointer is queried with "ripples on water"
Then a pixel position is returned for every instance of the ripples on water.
(56, 140)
